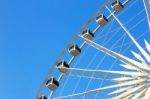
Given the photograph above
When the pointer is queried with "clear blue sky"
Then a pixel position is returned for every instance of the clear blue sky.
(34, 32)
(32, 35)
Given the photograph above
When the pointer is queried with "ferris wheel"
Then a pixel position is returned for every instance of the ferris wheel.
(109, 58)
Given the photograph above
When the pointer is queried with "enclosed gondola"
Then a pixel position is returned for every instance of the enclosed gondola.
(101, 20)
(63, 66)
(42, 97)
(117, 5)
(52, 83)
(87, 34)
(74, 50)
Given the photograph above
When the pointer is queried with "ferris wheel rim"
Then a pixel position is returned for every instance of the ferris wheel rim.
(142, 50)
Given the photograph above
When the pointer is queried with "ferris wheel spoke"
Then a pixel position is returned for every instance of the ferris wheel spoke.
(129, 67)
(130, 43)
(79, 71)
(147, 45)
(131, 19)
(147, 95)
(147, 10)
(130, 92)
(125, 76)
(138, 56)
(130, 96)
(133, 27)
(140, 94)
(122, 79)
(89, 77)
(129, 83)
(120, 90)
(143, 67)
(145, 54)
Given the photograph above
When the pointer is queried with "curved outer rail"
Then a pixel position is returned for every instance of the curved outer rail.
(68, 45)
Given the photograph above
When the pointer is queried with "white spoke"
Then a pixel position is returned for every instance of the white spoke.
(104, 64)
(146, 10)
(145, 54)
(129, 92)
(130, 67)
(121, 79)
(102, 72)
(147, 46)
(105, 88)
(138, 95)
(118, 56)
(138, 56)
(147, 94)
(120, 90)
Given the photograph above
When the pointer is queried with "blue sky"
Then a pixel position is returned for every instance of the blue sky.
(32, 35)
(34, 32)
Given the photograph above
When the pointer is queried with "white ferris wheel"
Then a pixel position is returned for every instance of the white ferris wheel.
(109, 58)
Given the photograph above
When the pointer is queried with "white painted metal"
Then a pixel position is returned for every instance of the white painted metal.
(138, 95)
(140, 66)
(147, 46)
(147, 94)
(132, 83)
(138, 56)
(120, 90)
(113, 72)
(145, 54)
(129, 92)
(122, 79)
(146, 6)
(129, 67)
